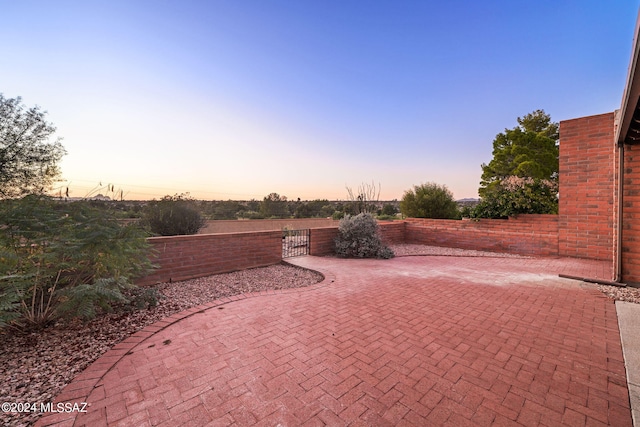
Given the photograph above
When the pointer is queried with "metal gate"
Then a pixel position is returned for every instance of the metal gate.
(295, 243)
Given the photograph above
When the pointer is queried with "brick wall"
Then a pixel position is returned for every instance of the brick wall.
(631, 215)
(188, 257)
(526, 234)
(587, 188)
(322, 241)
(392, 232)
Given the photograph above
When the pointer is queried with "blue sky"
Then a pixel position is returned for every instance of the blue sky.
(238, 99)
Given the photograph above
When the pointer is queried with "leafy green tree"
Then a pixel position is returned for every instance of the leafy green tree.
(514, 196)
(274, 206)
(429, 200)
(529, 150)
(313, 209)
(229, 209)
(173, 216)
(64, 259)
(28, 157)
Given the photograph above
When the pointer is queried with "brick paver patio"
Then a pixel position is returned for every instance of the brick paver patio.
(409, 341)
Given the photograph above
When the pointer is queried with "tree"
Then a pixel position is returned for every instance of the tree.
(173, 216)
(366, 199)
(28, 157)
(530, 150)
(313, 209)
(389, 209)
(514, 196)
(274, 205)
(429, 200)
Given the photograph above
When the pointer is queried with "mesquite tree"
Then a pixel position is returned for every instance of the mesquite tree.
(28, 155)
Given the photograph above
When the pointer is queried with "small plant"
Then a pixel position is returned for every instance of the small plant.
(139, 298)
(173, 216)
(359, 238)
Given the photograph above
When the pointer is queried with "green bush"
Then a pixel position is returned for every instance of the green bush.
(514, 196)
(173, 216)
(429, 200)
(359, 237)
(64, 259)
(389, 210)
(386, 217)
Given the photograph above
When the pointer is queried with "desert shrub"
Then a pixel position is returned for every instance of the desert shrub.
(429, 200)
(389, 210)
(64, 259)
(386, 217)
(253, 215)
(359, 237)
(467, 211)
(337, 215)
(173, 216)
(514, 195)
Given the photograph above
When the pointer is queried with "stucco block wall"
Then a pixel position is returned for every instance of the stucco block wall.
(587, 188)
(526, 234)
(188, 257)
(631, 215)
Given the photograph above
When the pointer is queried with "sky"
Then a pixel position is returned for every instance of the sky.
(238, 99)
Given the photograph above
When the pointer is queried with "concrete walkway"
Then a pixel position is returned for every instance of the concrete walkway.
(629, 321)
(409, 341)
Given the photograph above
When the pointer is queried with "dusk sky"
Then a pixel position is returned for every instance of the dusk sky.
(238, 99)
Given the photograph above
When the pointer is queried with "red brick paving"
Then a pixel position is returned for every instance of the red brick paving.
(408, 341)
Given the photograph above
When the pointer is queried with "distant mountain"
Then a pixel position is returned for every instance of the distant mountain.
(468, 200)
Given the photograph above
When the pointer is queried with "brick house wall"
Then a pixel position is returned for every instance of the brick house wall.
(586, 210)
(631, 215)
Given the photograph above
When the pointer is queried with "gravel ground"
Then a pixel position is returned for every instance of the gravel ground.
(621, 294)
(408, 250)
(35, 367)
